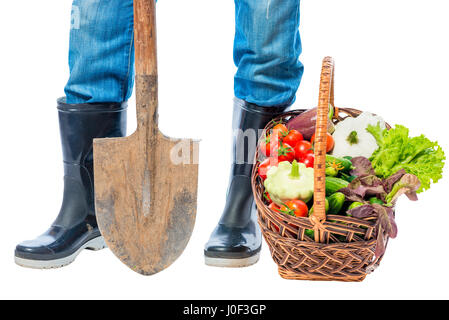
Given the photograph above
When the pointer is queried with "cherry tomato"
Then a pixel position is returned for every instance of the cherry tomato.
(281, 130)
(284, 153)
(265, 146)
(265, 166)
(297, 207)
(302, 149)
(293, 137)
(273, 206)
(267, 197)
(309, 160)
(329, 143)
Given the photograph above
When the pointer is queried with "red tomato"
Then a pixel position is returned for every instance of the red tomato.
(265, 166)
(293, 137)
(302, 149)
(297, 207)
(273, 206)
(309, 160)
(329, 143)
(281, 129)
(267, 197)
(266, 146)
(285, 153)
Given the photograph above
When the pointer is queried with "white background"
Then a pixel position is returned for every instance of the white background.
(391, 59)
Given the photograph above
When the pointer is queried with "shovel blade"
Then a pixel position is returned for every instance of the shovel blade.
(146, 198)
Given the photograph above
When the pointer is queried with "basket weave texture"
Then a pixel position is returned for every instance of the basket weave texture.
(344, 247)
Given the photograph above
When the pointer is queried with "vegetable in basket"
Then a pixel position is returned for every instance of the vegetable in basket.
(279, 142)
(281, 130)
(303, 149)
(293, 137)
(373, 196)
(335, 166)
(280, 150)
(368, 188)
(334, 184)
(352, 138)
(374, 200)
(289, 181)
(306, 122)
(408, 185)
(265, 166)
(331, 172)
(341, 164)
(327, 205)
(336, 202)
(417, 155)
(297, 208)
(354, 205)
(330, 143)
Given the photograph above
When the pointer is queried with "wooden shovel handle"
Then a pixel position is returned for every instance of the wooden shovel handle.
(145, 37)
(145, 43)
(326, 98)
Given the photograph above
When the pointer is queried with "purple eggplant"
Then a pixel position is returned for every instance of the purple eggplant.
(306, 123)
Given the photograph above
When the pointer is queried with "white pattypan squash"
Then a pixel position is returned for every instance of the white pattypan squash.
(352, 139)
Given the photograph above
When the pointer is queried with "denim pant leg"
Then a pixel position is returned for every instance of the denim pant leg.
(266, 51)
(101, 54)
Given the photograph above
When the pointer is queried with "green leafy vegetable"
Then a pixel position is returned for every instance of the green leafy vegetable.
(418, 155)
(407, 185)
(386, 225)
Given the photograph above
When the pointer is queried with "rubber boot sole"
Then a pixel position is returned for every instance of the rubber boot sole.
(232, 263)
(94, 244)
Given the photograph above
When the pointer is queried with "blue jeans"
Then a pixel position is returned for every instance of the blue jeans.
(266, 51)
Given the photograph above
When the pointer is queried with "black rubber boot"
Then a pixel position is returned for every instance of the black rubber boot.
(237, 240)
(75, 227)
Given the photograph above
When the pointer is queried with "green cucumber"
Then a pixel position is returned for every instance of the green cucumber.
(374, 200)
(353, 205)
(344, 163)
(347, 177)
(326, 206)
(336, 202)
(334, 184)
(310, 233)
(331, 172)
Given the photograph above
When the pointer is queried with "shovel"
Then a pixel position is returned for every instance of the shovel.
(146, 184)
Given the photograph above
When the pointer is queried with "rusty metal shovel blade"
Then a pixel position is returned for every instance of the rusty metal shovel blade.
(146, 184)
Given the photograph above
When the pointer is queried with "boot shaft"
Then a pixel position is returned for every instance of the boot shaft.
(79, 125)
(248, 122)
(76, 226)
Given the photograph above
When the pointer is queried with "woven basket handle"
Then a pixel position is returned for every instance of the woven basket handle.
(326, 98)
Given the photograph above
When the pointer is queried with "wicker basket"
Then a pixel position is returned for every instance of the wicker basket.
(344, 247)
